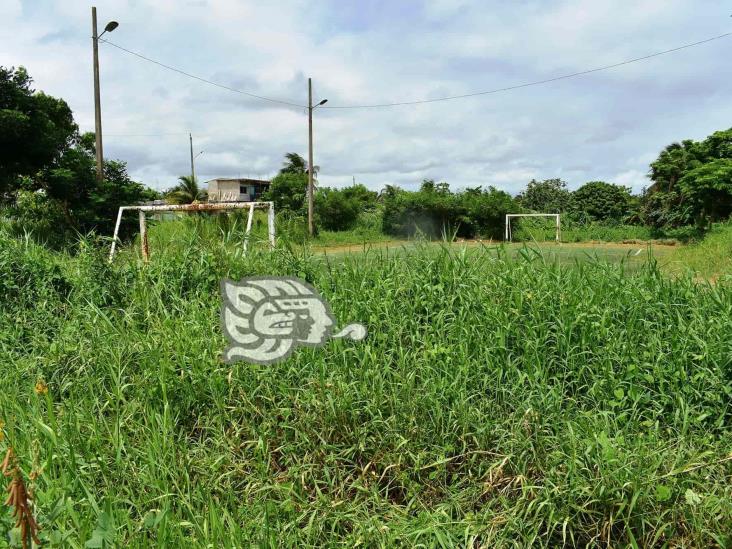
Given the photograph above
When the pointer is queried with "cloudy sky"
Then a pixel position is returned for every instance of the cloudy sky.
(607, 125)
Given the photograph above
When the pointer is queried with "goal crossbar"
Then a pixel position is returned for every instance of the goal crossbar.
(555, 216)
(204, 207)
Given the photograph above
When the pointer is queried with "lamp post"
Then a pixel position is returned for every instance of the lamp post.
(193, 172)
(97, 103)
(311, 108)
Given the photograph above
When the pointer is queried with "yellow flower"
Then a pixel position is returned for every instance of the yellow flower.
(41, 388)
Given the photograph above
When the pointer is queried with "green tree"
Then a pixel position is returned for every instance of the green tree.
(548, 196)
(365, 197)
(436, 212)
(287, 191)
(186, 192)
(708, 191)
(601, 201)
(69, 186)
(46, 166)
(335, 210)
(673, 162)
(294, 163)
(666, 204)
(35, 129)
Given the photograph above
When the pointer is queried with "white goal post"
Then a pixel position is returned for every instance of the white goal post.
(511, 216)
(203, 207)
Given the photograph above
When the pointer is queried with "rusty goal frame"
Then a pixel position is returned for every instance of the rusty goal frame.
(204, 207)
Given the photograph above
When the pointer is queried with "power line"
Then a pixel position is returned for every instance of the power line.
(437, 99)
(189, 75)
(527, 84)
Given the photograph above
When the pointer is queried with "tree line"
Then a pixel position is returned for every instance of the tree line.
(48, 186)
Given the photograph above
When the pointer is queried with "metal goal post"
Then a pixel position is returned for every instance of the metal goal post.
(555, 216)
(204, 207)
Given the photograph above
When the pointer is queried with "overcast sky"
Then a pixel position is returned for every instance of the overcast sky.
(608, 125)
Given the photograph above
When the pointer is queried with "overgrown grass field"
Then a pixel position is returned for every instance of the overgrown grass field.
(499, 400)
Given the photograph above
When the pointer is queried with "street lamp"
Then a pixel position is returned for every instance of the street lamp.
(193, 172)
(311, 108)
(109, 27)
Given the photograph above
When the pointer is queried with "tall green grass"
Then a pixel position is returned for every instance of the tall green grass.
(497, 401)
(544, 229)
(709, 258)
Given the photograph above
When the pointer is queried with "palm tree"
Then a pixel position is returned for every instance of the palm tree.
(294, 163)
(186, 191)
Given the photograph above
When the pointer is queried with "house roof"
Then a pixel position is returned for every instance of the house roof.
(241, 180)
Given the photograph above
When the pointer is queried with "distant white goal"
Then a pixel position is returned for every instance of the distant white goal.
(509, 217)
(203, 207)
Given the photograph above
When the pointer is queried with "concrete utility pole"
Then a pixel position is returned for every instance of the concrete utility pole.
(97, 102)
(311, 189)
(310, 157)
(193, 172)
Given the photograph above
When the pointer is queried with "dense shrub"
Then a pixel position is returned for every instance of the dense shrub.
(435, 211)
(338, 209)
(288, 192)
(548, 196)
(601, 201)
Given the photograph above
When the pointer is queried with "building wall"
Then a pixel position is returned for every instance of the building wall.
(225, 191)
(236, 190)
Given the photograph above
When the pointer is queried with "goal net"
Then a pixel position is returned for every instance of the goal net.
(204, 207)
(535, 224)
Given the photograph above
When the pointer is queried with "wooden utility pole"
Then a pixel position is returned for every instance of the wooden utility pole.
(310, 157)
(193, 172)
(97, 101)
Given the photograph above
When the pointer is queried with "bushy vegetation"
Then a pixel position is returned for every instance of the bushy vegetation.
(496, 401)
(709, 258)
(692, 183)
(435, 211)
(47, 168)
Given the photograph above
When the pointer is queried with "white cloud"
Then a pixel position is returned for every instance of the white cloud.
(606, 125)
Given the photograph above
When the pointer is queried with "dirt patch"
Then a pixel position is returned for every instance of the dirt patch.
(624, 245)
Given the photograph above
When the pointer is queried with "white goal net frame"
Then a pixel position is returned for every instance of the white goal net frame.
(557, 217)
(203, 207)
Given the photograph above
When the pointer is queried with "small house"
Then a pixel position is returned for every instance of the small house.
(236, 189)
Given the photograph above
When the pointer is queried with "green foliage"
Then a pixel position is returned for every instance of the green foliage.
(435, 211)
(548, 196)
(367, 229)
(580, 406)
(601, 201)
(294, 163)
(186, 192)
(708, 191)
(365, 198)
(334, 210)
(704, 196)
(673, 162)
(42, 153)
(35, 129)
(288, 191)
(707, 258)
(338, 209)
(485, 212)
(38, 216)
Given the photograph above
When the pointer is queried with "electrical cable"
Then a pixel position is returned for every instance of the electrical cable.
(201, 79)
